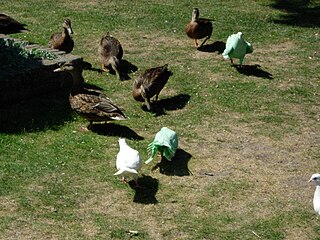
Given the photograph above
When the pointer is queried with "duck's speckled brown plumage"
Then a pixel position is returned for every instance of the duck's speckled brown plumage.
(95, 106)
(62, 40)
(150, 83)
(9, 25)
(91, 104)
(110, 54)
(199, 28)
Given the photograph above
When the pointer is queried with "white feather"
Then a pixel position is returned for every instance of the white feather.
(128, 161)
(316, 198)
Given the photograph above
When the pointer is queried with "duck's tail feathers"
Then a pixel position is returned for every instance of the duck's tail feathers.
(126, 170)
(122, 117)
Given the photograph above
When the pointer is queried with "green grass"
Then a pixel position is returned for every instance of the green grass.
(251, 135)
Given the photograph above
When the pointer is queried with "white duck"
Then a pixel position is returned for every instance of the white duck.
(316, 198)
(128, 162)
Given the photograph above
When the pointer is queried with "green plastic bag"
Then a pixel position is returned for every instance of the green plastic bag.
(166, 142)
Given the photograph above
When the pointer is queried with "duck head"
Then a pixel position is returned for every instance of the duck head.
(195, 14)
(315, 178)
(75, 70)
(67, 25)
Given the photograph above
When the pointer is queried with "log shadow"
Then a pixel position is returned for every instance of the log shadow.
(178, 166)
(112, 129)
(297, 13)
(253, 70)
(146, 193)
(127, 68)
(217, 46)
(9, 25)
(91, 87)
(47, 111)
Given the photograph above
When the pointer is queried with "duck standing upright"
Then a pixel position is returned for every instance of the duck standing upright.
(62, 40)
(236, 47)
(199, 28)
(110, 54)
(150, 84)
(316, 198)
(91, 104)
(128, 162)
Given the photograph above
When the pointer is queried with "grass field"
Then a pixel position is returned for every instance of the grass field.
(248, 138)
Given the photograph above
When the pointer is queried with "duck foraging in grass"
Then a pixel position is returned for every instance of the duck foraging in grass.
(62, 40)
(110, 54)
(128, 162)
(237, 47)
(150, 84)
(165, 142)
(199, 28)
(316, 198)
(91, 104)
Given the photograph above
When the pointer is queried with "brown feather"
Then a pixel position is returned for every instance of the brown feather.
(199, 28)
(110, 53)
(91, 104)
(150, 83)
(62, 40)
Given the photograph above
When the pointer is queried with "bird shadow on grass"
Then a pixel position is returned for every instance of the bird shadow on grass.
(91, 87)
(170, 104)
(127, 68)
(217, 46)
(253, 70)
(112, 129)
(146, 193)
(47, 111)
(178, 166)
(86, 65)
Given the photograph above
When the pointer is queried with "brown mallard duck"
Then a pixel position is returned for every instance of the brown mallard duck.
(9, 25)
(91, 104)
(62, 40)
(110, 54)
(150, 83)
(199, 28)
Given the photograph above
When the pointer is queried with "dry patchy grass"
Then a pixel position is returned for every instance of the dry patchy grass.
(247, 173)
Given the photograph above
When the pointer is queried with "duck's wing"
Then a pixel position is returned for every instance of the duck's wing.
(105, 103)
(95, 108)
(55, 38)
(204, 20)
(154, 81)
(128, 158)
(154, 74)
